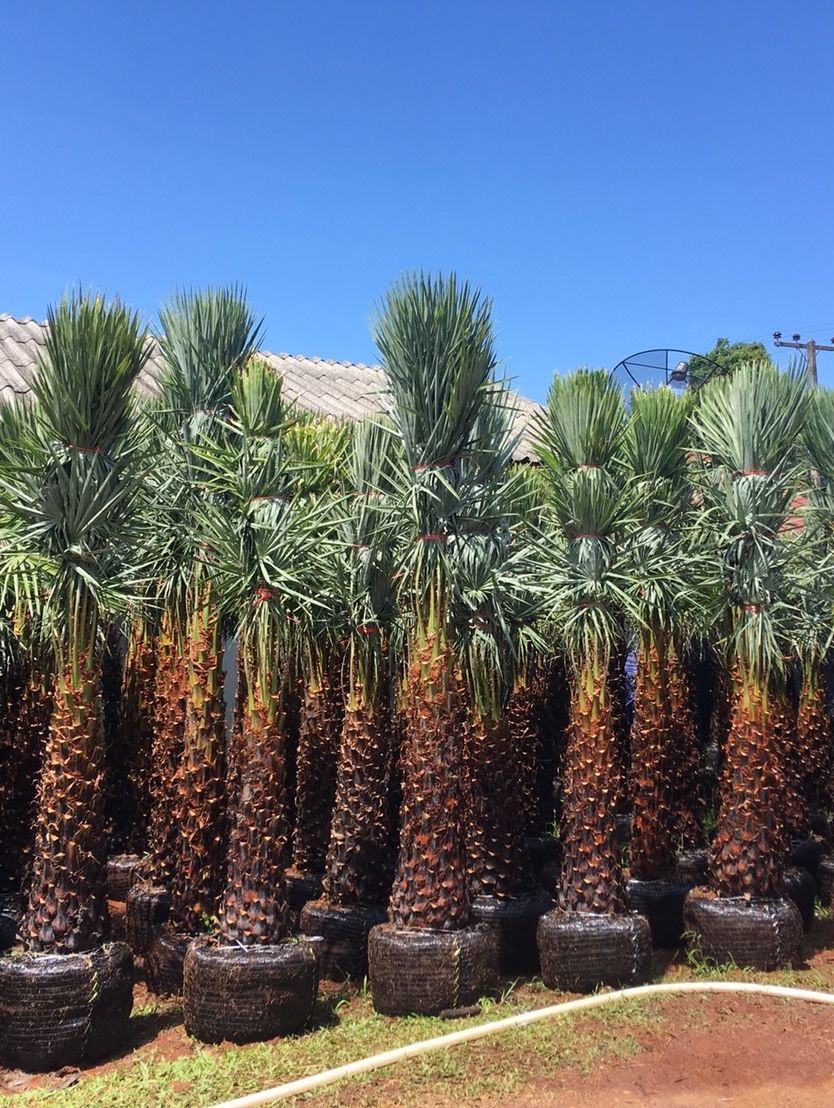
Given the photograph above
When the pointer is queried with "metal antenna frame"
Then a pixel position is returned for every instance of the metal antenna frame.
(633, 362)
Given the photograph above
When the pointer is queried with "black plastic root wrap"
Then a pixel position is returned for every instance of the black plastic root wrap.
(825, 873)
(429, 972)
(542, 849)
(148, 907)
(622, 822)
(120, 871)
(808, 853)
(9, 919)
(343, 951)
(299, 888)
(798, 885)
(64, 1009)
(759, 934)
(661, 902)
(692, 868)
(515, 922)
(164, 961)
(581, 950)
(248, 994)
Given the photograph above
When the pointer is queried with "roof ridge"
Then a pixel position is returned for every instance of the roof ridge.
(324, 361)
(22, 319)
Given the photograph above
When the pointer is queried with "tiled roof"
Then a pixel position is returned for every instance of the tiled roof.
(20, 344)
(340, 390)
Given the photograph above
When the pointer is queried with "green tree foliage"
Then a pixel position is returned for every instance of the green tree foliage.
(729, 355)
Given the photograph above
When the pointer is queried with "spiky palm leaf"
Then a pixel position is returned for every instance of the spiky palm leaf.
(67, 496)
(267, 556)
(579, 436)
(658, 558)
(206, 338)
(435, 338)
(749, 426)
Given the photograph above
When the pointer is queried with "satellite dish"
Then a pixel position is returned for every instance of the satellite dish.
(677, 369)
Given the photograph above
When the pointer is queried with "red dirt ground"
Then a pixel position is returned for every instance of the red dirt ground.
(754, 1053)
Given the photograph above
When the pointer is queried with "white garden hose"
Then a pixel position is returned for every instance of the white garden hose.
(468, 1034)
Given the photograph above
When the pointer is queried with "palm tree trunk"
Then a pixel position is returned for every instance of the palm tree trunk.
(138, 693)
(813, 727)
(430, 886)
(794, 802)
(201, 800)
(652, 845)
(591, 875)
(496, 778)
(686, 756)
(317, 753)
(749, 847)
(357, 870)
(67, 896)
(170, 695)
(26, 712)
(253, 908)
(521, 714)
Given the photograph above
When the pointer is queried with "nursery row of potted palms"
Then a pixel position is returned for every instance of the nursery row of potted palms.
(394, 592)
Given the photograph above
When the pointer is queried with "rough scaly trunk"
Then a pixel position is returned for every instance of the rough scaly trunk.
(430, 887)
(813, 726)
(749, 846)
(591, 876)
(794, 803)
(137, 718)
(170, 690)
(253, 907)
(652, 845)
(357, 870)
(201, 801)
(686, 756)
(553, 718)
(67, 896)
(315, 786)
(117, 814)
(26, 711)
(521, 719)
(496, 778)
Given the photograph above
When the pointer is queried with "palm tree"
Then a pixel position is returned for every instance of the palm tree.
(580, 436)
(268, 558)
(658, 561)
(814, 735)
(435, 338)
(495, 611)
(749, 426)
(65, 565)
(357, 874)
(206, 338)
(318, 448)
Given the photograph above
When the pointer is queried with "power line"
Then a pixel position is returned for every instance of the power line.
(810, 347)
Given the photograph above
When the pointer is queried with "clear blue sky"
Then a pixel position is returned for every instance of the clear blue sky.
(615, 175)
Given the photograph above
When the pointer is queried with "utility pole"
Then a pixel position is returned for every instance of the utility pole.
(810, 347)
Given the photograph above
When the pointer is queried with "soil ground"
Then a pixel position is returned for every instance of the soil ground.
(694, 1050)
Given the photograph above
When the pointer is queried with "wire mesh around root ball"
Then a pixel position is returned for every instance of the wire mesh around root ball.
(64, 1009)
(582, 950)
(248, 994)
(757, 933)
(147, 908)
(430, 972)
(515, 922)
(661, 902)
(343, 951)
